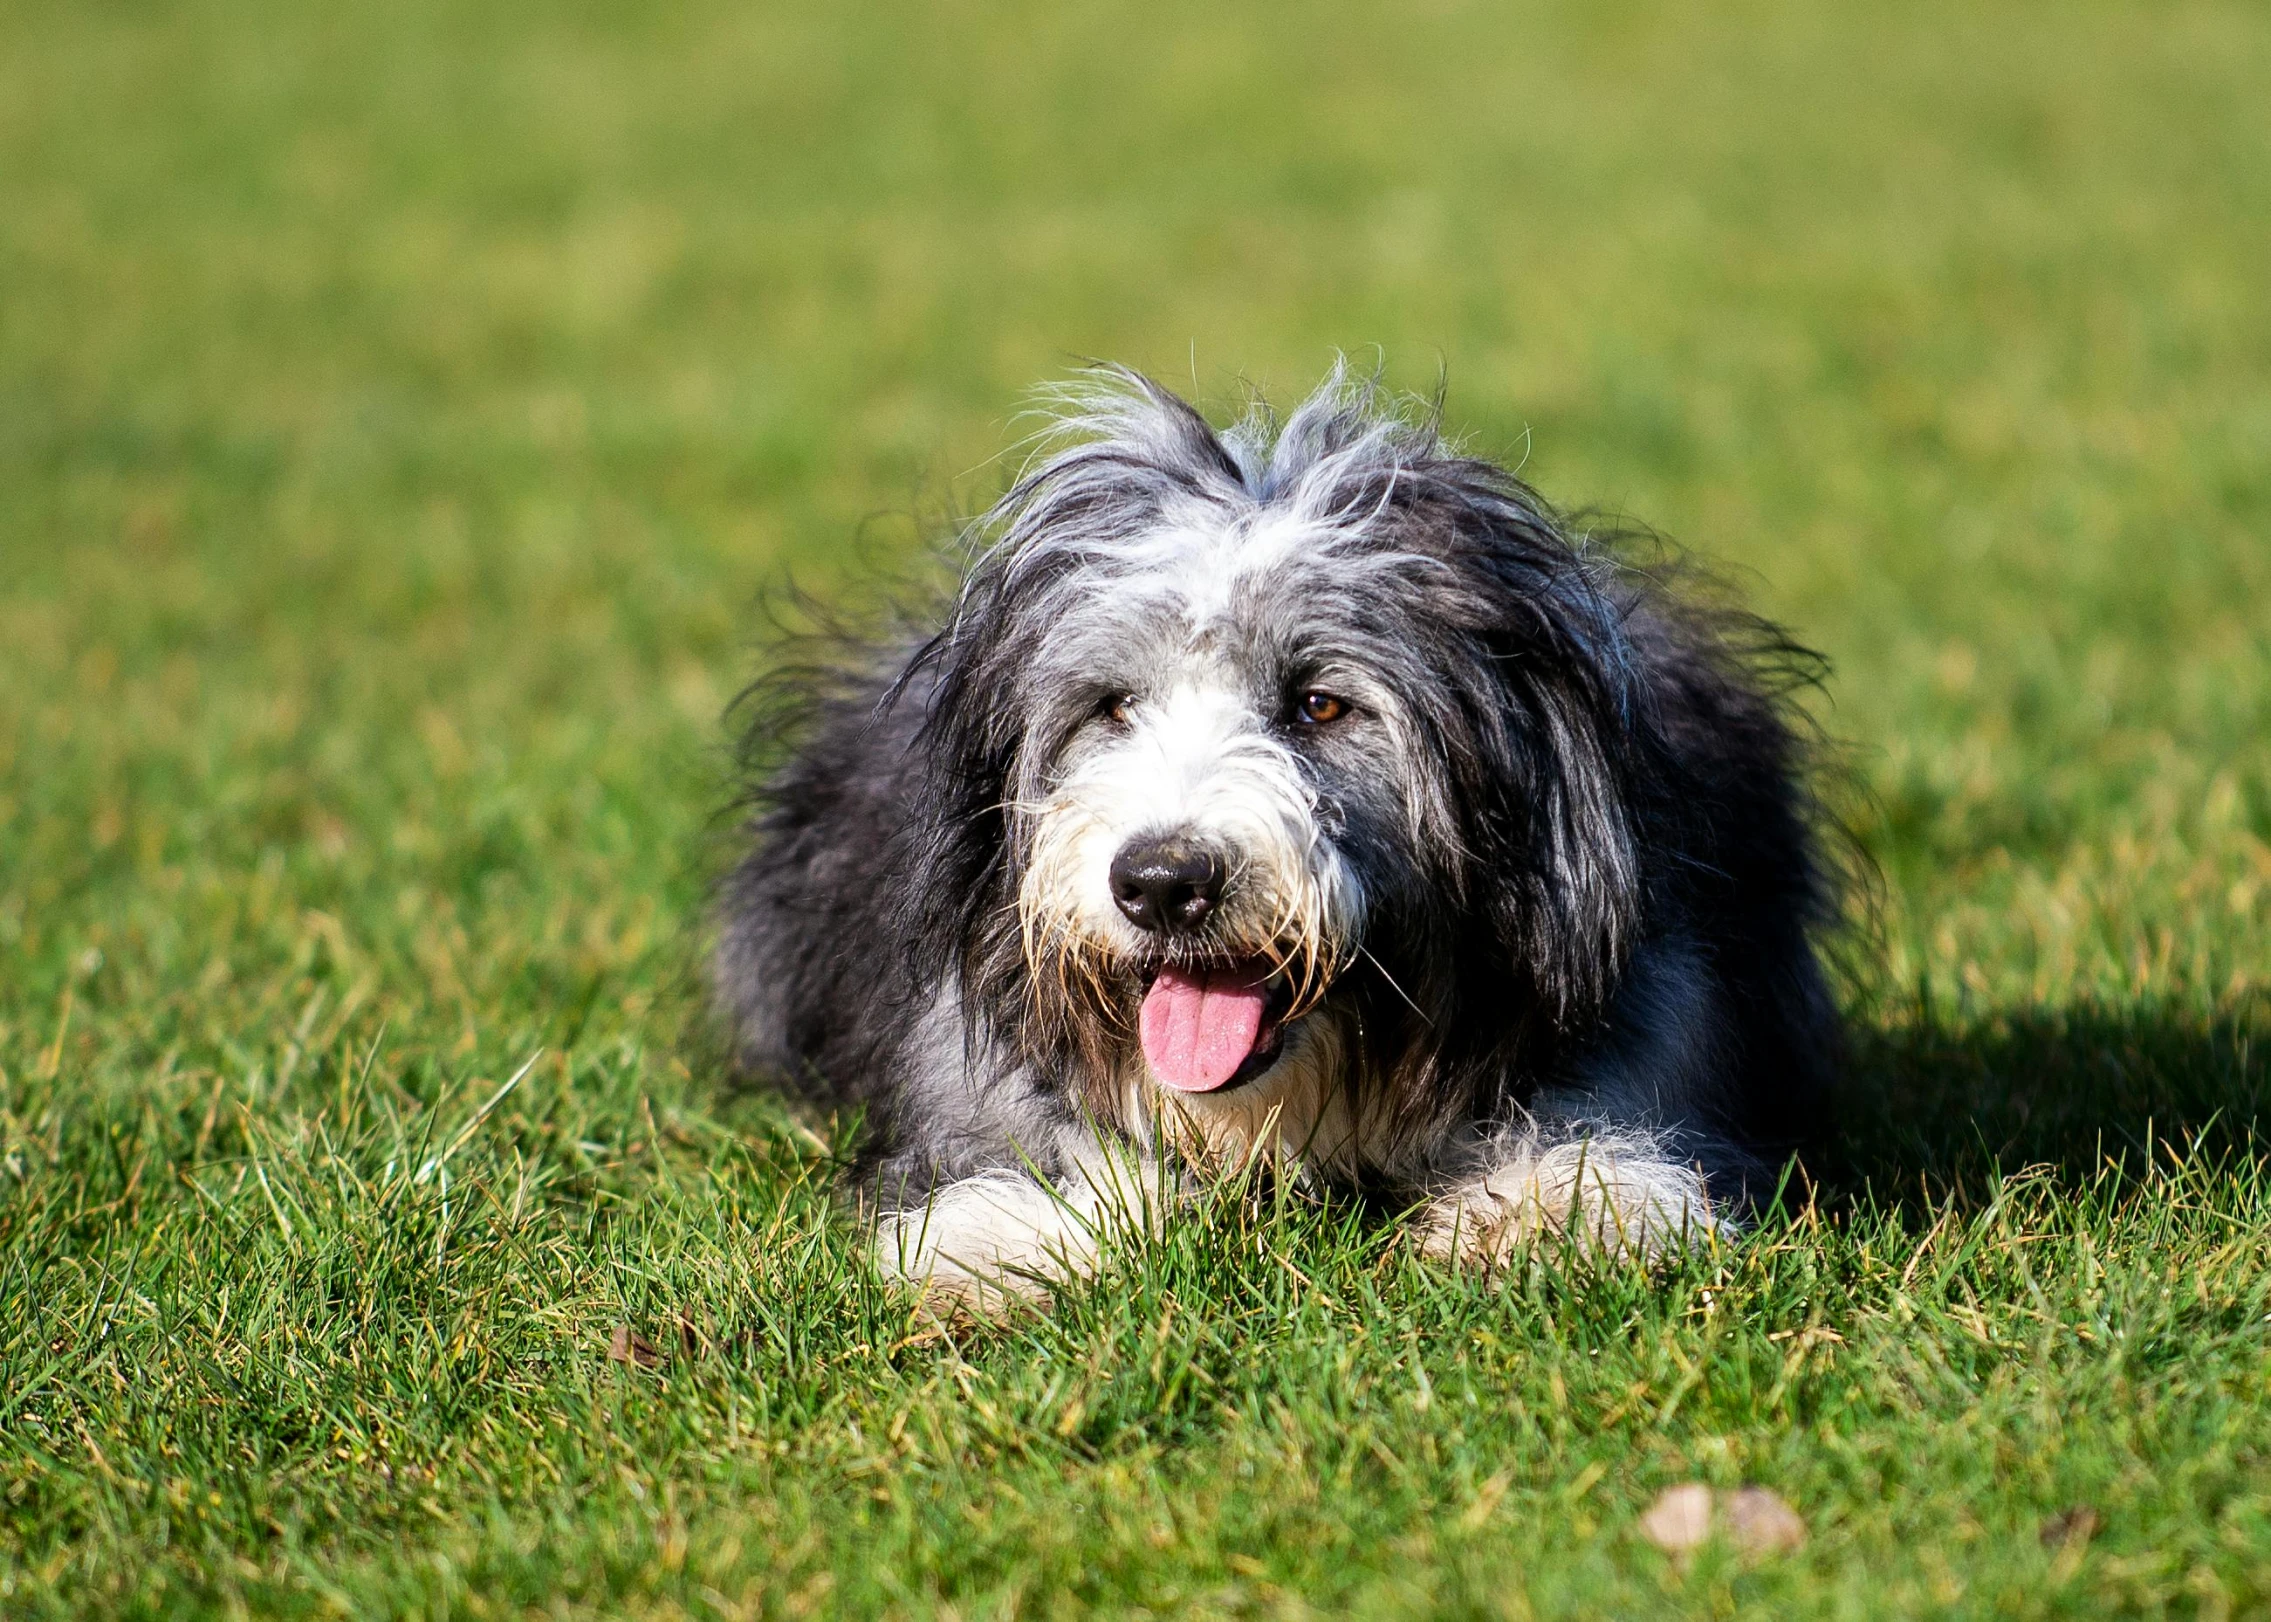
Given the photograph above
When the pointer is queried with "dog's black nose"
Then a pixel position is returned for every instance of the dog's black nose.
(1166, 884)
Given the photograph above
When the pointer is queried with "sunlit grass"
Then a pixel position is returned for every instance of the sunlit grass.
(401, 412)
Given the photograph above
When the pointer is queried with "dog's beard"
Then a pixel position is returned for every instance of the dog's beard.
(1196, 1014)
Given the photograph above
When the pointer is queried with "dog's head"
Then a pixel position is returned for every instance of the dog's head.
(1261, 750)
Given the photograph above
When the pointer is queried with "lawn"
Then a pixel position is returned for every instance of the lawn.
(404, 410)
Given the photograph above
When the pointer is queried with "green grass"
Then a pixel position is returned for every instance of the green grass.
(402, 409)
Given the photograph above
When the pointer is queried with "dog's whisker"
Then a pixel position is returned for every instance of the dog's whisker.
(1382, 970)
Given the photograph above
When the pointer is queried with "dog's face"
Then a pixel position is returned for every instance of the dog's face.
(1238, 791)
(1284, 761)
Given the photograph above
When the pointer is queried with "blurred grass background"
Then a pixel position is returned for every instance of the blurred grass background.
(402, 409)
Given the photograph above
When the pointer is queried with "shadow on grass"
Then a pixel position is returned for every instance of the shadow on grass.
(1939, 1104)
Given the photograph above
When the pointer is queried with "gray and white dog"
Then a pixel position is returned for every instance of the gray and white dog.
(1307, 795)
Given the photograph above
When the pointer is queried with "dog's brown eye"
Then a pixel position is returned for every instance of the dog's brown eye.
(1317, 709)
(1116, 709)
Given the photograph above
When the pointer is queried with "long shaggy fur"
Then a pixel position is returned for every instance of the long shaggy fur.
(1539, 911)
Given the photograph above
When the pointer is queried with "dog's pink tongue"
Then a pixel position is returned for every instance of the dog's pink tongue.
(1199, 1026)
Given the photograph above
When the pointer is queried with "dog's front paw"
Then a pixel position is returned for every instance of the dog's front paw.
(1613, 1199)
(989, 1244)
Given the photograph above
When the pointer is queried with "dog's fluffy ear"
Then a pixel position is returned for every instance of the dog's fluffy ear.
(1562, 884)
(1566, 907)
(965, 753)
(1534, 699)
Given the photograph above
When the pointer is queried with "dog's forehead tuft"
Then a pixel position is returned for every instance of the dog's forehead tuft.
(1352, 542)
(1127, 475)
(1220, 566)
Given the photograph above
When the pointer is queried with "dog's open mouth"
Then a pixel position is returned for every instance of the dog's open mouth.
(1213, 1026)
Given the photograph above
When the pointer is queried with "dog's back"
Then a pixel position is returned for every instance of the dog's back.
(811, 967)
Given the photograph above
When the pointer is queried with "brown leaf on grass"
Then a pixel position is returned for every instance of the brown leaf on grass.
(1760, 1522)
(1680, 1518)
(2070, 1528)
(629, 1346)
(1755, 1520)
(694, 1337)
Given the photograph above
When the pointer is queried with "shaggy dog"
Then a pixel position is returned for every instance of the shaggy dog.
(1306, 796)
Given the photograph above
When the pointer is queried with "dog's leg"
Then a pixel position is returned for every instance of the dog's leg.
(1615, 1157)
(1620, 1196)
(990, 1240)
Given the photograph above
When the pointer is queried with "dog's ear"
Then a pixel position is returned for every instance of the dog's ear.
(1563, 885)
(966, 748)
(1566, 903)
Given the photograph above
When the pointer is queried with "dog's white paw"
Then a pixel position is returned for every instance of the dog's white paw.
(1615, 1199)
(1001, 1238)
